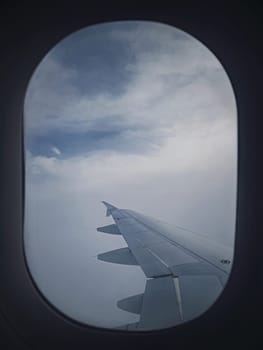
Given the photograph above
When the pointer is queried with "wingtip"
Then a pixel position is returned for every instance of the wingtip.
(109, 207)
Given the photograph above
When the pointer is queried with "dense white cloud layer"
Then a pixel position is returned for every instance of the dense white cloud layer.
(178, 94)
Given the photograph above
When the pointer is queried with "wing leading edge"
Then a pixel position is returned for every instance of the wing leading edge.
(183, 277)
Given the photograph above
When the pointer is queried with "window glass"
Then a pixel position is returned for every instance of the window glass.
(141, 115)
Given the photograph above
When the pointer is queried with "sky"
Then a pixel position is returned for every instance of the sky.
(143, 116)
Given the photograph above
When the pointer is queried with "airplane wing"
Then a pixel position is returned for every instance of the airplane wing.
(185, 272)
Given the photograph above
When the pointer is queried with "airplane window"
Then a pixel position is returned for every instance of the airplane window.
(136, 120)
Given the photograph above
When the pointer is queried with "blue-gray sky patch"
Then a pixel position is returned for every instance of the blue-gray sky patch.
(98, 58)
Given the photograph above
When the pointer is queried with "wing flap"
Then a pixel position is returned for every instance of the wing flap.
(160, 307)
(168, 301)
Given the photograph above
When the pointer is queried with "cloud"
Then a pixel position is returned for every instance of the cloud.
(171, 84)
(55, 150)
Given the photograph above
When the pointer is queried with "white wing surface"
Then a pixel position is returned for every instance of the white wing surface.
(185, 272)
